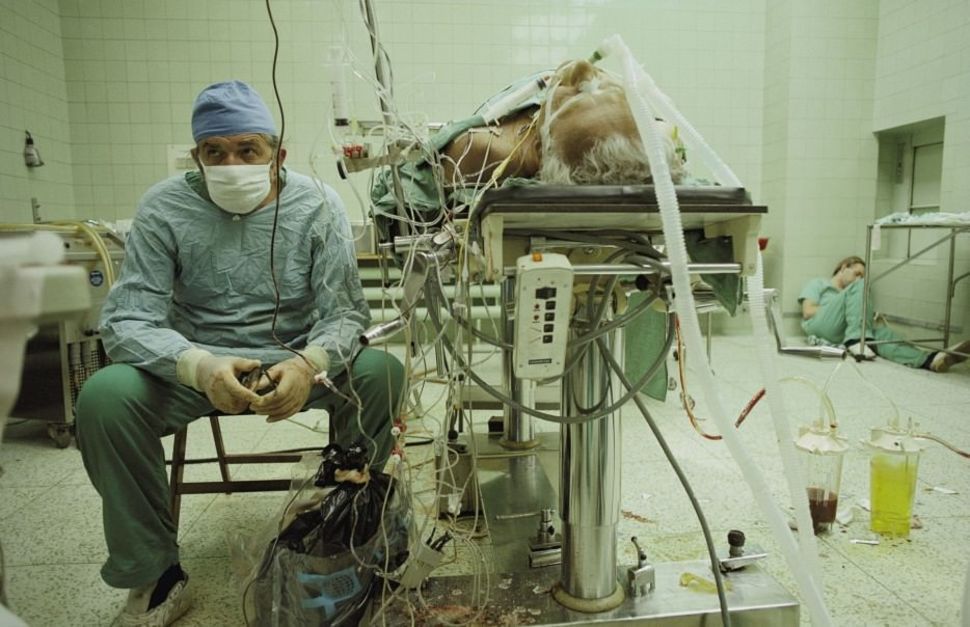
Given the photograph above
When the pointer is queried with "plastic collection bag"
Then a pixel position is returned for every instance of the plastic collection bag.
(342, 527)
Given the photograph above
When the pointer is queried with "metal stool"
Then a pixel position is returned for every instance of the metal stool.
(178, 487)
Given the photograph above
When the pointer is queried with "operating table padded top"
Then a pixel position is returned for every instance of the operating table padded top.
(610, 206)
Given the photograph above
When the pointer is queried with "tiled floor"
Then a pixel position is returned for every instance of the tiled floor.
(51, 530)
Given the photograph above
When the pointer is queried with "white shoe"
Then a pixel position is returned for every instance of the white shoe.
(866, 352)
(177, 603)
(942, 361)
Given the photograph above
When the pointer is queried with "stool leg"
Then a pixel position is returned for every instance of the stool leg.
(178, 468)
(220, 449)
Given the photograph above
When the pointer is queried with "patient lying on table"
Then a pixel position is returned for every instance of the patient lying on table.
(583, 133)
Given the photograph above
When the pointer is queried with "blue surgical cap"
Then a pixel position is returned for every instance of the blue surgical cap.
(230, 108)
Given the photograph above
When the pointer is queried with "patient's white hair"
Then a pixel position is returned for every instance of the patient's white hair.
(613, 160)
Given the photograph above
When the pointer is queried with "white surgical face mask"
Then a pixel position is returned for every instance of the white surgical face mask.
(238, 188)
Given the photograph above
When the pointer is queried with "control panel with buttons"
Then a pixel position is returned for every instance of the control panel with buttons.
(544, 288)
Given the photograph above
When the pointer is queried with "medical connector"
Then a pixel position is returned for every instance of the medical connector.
(738, 555)
(422, 562)
(819, 352)
(642, 578)
(338, 65)
(545, 547)
(31, 155)
(380, 333)
(514, 98)
(414, 284)
(258, 380)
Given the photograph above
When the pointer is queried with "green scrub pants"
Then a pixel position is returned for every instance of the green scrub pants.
(840, 321)
(122, 414)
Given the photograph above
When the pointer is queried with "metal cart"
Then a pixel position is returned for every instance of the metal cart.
(64, 354)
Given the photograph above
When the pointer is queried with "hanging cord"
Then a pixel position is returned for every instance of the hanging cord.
(279, 192)
(939, 440)
(705, 529)
(681, 371)
(462, 363)
(895, 422)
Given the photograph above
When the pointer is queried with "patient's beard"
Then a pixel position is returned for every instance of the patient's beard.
(613, 160)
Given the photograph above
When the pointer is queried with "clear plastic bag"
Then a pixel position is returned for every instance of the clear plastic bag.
(341, 529)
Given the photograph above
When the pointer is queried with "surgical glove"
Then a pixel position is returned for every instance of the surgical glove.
(218, 378)
(294, 379)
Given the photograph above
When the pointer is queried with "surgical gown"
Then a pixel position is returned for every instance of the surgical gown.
(195, 275)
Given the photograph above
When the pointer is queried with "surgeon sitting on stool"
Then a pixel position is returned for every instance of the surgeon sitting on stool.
(192, 313)
(832, 311)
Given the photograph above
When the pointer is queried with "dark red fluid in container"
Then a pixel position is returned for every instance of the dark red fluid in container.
(822, 509)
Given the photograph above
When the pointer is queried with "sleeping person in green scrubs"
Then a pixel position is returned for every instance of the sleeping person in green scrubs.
(832, 311)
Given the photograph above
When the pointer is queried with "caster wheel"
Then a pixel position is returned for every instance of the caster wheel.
(60, 434)
(671, 384)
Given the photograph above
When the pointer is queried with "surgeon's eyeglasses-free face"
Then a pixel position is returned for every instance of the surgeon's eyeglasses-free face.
(234, 150)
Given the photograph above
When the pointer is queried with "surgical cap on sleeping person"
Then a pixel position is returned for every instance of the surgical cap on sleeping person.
(230, 108)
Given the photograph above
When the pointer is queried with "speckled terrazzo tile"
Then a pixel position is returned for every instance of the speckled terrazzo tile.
(13, 500)
(30, 460)
(64, 527)
(652, 491)
(638, 442)
(948, 421)
(927, 570)
(61, 528)
(216, 596)
(851, 595)
(243, 514)
(909, 385)
(63, 595)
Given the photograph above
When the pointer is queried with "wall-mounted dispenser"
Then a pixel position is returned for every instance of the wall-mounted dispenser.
(31, 156)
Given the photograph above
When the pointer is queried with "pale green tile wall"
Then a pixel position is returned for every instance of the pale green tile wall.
(778, 28)
(33, 97)
(134, 68)
(923, 72)
(819, 153)
(788, 92)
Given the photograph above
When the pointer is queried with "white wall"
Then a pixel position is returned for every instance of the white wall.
(923, 72)
(819, 152)
(33, 97)
(134, 68)
(790, 93)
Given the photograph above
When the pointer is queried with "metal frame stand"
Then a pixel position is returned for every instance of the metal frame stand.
(520, 430)
(955, 230)
(590, 484)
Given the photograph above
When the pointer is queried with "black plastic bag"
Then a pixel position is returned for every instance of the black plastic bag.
(323, 566)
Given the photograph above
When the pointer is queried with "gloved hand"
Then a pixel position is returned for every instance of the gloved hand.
(294, 379)
(218, 378)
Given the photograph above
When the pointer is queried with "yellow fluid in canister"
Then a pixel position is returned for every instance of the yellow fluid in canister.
(892, 483)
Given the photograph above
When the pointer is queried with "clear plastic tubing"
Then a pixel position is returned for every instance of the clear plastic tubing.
(513, 99)
(662, 105)
(794, 472)
(809, 585)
